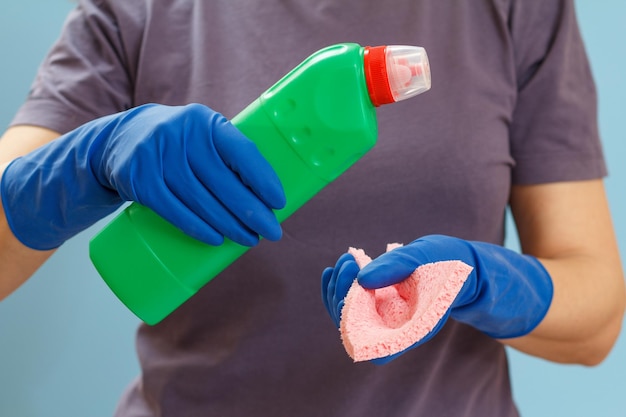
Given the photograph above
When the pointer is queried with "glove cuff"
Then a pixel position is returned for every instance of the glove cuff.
(47, 199)
(512, 295)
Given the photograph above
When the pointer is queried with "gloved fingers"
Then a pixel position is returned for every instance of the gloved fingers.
(196, 175)
(345, 277)
(329, 285)
(326, 276)
(212, 211)
(242, 156)
(244, 205)
(391, 267)
(230, 187)
(216, 212)
(178, 197)
(338, 310)
(176, 213)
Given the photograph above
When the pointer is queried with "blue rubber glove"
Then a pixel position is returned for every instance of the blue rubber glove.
(506, 295)
(188, 164)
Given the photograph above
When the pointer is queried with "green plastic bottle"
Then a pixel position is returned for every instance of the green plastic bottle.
(312, 125)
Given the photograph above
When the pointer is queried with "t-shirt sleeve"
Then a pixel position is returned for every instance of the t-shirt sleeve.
(83, 76)
(554, 131)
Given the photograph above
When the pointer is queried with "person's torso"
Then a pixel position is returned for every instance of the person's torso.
(257, 340)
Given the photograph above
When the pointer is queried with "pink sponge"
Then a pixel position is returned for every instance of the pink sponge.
(379, 323)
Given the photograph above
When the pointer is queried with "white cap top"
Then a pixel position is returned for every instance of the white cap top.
(408, 71)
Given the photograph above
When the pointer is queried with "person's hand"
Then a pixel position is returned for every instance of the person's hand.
(188, 164)
(506, 295)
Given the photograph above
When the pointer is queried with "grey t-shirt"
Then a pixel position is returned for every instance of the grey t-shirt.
(512, 102)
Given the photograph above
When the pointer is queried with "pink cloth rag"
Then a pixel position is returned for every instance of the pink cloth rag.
(381, 322)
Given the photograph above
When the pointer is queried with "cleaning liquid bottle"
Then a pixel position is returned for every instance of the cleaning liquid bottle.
(311, 126)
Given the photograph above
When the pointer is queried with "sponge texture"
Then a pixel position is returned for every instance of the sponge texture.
(385, 321)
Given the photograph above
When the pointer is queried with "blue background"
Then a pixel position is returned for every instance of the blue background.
(67, 345)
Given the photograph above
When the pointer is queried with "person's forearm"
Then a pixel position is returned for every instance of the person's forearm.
(18, 262)
(585, 317)
(568, 227)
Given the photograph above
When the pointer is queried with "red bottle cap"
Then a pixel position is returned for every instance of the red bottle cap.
(395, 72)
(376, 75)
